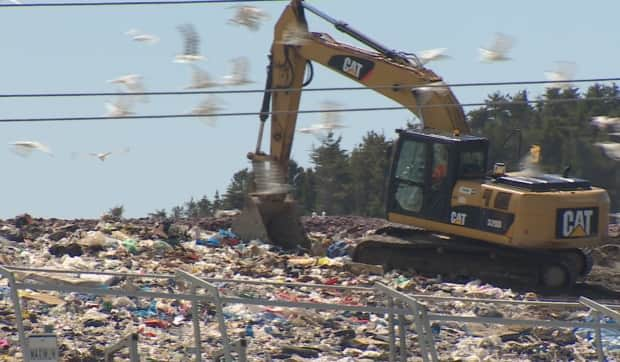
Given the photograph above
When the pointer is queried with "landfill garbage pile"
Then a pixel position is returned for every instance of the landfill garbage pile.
(86, 324)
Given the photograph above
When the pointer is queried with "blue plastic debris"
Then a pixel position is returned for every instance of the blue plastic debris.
(338, 249)
(610, 336)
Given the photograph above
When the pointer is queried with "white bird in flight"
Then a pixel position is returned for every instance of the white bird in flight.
(132, 83)
(239, 75)
(424, 93)
(120, 108)
(498, 51)
(331, 120)
(207, 108)
(611, 149)
(426, 56)
(562, 75)
(141, 37)
(248, 16)
(102, 156)
(191, 40)
(25, 148)
(201, 79)
(294, 35)
(604, 122)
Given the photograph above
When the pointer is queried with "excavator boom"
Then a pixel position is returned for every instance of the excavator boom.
(396, 75)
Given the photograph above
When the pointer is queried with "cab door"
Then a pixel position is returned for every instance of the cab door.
(420, 179)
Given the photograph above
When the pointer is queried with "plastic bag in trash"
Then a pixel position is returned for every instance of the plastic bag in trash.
(339, 248)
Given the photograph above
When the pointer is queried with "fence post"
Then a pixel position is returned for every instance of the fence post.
(211, 289)
(419, 327)
(196, 325)
(18, 311)
(130, 341)
(391, 329)
(598, 337)
(428, 332)
(402, 331)
(600, 310)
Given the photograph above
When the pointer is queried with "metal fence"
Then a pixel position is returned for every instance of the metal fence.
(401, 310)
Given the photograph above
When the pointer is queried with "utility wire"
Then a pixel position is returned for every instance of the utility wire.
(123, 3)
(333, 110)
(326, 89)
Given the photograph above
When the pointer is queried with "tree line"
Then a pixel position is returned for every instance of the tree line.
(352, 183)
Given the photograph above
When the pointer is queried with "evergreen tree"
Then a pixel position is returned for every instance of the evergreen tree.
(191, 209)
(235, 193)
(204, 206)
(332, 177)
(369, 165)
(177, 212)
(158, 214)
(217, 202)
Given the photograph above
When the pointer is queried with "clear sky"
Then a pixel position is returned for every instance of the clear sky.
(172, 160)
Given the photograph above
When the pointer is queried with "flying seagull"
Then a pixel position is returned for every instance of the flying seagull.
(102, 156)
(201, 79)
(611, 149)
(120, 108)
(294, 35)
(330, 121)
(239, 75)
(133, 84)
(426, 56)
(248, 16)
(25, 148)
(562, 75)
(498, 51)
(191, 41)
(604, 122)
(207, 108)
(141, 37)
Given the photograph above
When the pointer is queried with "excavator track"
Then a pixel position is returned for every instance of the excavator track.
(455, 258)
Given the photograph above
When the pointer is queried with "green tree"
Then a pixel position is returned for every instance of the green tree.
(177, 212)
(236, 191)
(205, 207)
(217, 203)
(332, 177)
(369, 166)
(191, 209)
(116, 212)
(158, 214)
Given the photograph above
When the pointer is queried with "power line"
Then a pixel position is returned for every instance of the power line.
(333, 110)
(325, 89)
(124, 3)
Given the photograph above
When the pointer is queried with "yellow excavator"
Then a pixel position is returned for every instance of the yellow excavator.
(449, 214)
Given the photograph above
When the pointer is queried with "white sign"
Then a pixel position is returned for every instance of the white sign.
(43, 348)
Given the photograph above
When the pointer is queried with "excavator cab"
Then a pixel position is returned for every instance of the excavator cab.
(425, 168)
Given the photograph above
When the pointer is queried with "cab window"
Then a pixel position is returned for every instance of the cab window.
(412, 162)
(471, 164)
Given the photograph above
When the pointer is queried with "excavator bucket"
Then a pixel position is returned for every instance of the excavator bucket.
(275, 220)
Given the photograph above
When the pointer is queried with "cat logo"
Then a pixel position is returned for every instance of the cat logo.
(355, 67)
(577, 223)
(352, 67)
(458, 218)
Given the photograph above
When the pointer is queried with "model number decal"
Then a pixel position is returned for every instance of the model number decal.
(496, 224)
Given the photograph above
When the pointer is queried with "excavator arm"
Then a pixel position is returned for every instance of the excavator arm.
(396, 75)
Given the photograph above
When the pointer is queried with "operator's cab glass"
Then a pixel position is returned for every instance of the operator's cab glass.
(425, 168)
(472, 165)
